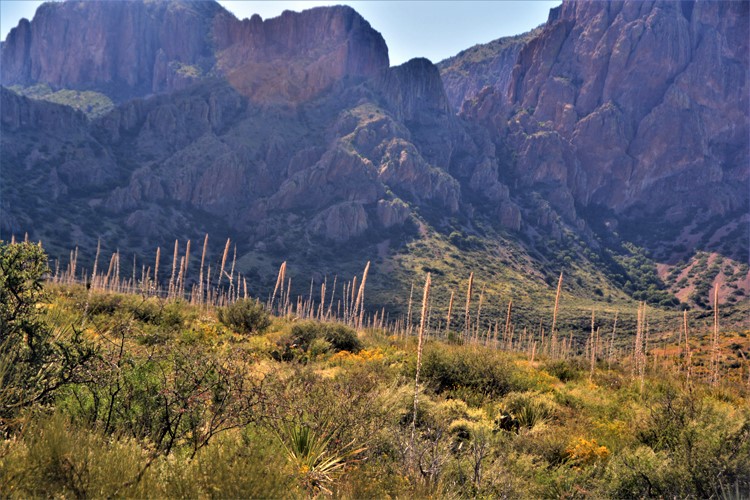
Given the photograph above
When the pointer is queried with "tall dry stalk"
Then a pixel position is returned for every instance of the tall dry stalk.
(360, 302)
(133, 282)
(592, 346)
(96, 262)
(448, 318)
(322, 300)
(156, 269)
(232, 286)
(715, 340)
(185, 271)
(223, 262)
(110, 272)
(420, 345)
(333, 296)
(279, 283)
(200, 276)
(170, 292)
(180, 277)
(287, 305)
(553, 332)
(638, 351)
(507, 319)
(74, 264)
(408, 312)
(467, 318)
(350, 316)
(612, 341)
(688, 354)
(479, 315)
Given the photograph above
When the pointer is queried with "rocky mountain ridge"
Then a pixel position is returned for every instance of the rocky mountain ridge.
(634, 108)
(601, 128)
(78, 45)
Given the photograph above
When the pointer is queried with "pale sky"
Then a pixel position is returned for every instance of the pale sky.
(416, 28)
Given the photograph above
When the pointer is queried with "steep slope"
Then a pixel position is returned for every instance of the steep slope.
(490, 64)
(80, 46)
(636, 110)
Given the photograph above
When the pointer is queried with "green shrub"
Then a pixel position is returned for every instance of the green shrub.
(245, 316)
(56, 458)
(341, 337)
(481, 372)
(566, 371)
(527, 409)
(35, 359)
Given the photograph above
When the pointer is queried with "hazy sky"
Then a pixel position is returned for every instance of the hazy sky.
(423, 28)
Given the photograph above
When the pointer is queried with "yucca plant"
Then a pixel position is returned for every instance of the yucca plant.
(310, 452)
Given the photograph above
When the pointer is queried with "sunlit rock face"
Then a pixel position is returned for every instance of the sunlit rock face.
(297, 55)
(637, 107)
(129, 49)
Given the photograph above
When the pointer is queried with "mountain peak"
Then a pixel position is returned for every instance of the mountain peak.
(132, 49)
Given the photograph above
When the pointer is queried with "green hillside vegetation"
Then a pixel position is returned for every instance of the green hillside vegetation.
(92, 104)
(136, 395)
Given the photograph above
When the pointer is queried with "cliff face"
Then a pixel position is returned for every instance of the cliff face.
(82, 45)
(297, 55)
(79, 45)
(637, 107)
(484, 65)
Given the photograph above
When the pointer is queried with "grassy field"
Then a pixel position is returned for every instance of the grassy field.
(131, 395)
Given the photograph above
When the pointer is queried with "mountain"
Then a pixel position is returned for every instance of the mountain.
(134, 49)
(468, 72)
(580, 146)
(634, 113)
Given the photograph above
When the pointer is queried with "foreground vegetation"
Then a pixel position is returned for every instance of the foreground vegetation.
(131, 395)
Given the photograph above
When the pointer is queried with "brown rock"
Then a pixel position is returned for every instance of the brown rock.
(341, 222)
(643, 97)
(392, 212)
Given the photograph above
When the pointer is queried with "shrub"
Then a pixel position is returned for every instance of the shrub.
(341, 337)
(482, 372)
(566, 371)
(526, 409)
(245, 316)
(35, 361)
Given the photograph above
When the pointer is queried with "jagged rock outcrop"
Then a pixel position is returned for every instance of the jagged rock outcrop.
(392, 212)
(295, 56)
(341, 222)
(485, 65)
(79, 45)
(413, 89)
(54, 144)
(637, 107)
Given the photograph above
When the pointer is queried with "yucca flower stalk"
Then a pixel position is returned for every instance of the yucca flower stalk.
(420, 346)
(467, 318)
(553, 332)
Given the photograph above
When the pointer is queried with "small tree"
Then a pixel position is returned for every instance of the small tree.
(33, 364)
(22, 267)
